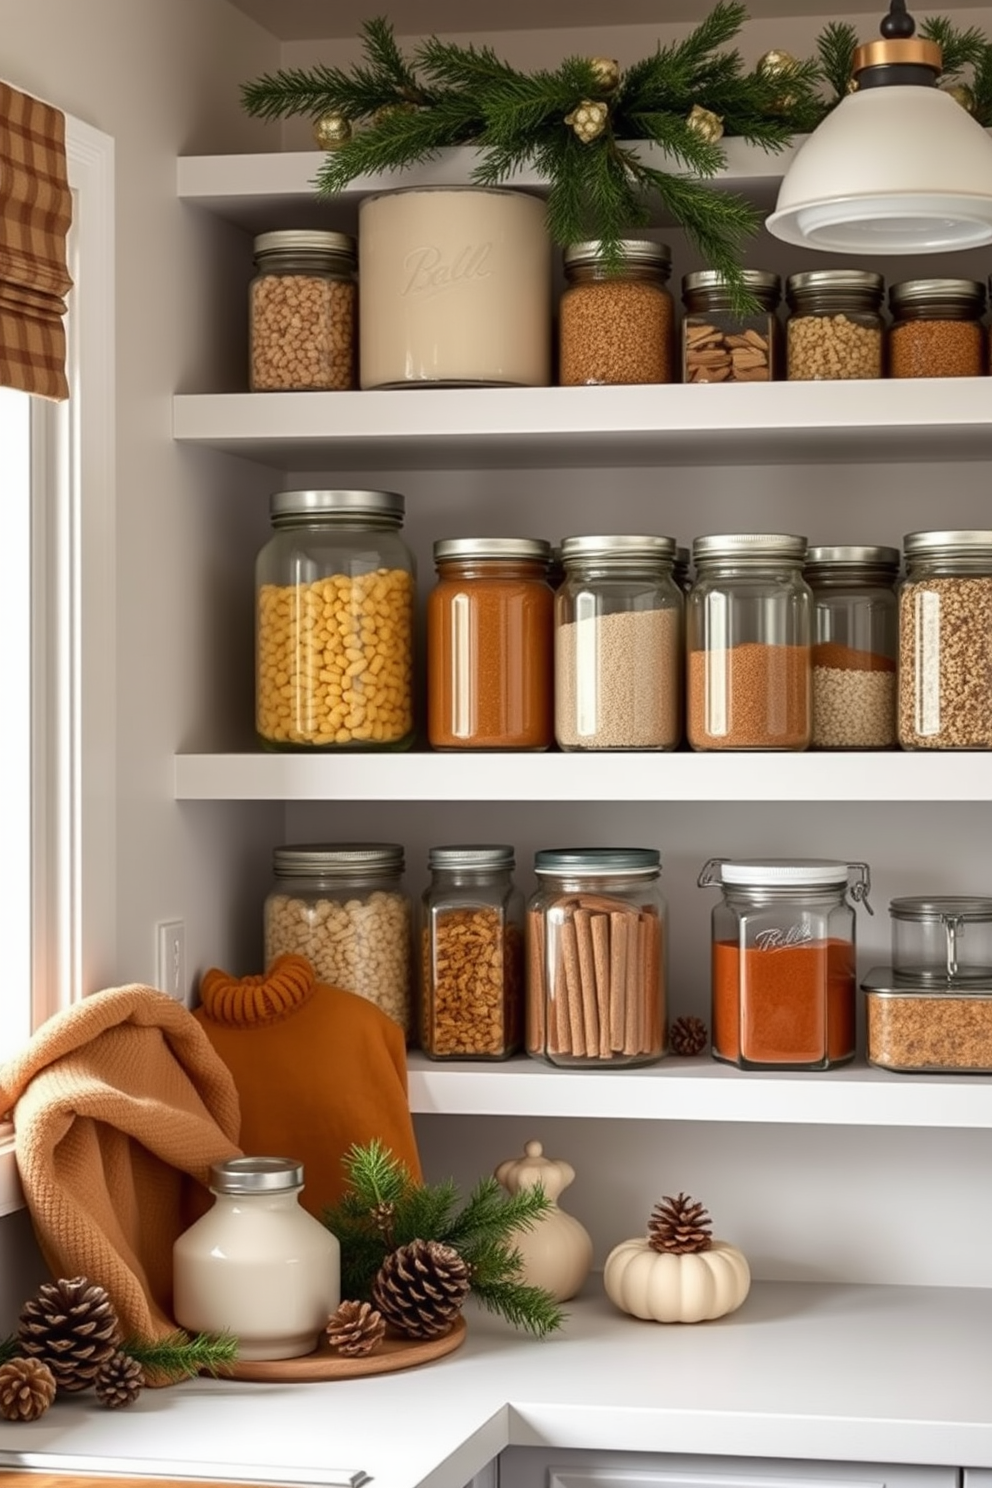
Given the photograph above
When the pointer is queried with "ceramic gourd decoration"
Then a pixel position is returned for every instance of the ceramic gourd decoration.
(677, 1273)
(557, 1250)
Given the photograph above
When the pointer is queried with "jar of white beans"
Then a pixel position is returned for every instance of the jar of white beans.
(343, 906)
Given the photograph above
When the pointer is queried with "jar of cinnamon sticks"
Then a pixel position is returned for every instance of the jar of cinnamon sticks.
(597, 953)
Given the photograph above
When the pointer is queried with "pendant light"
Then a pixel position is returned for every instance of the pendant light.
(897, 167)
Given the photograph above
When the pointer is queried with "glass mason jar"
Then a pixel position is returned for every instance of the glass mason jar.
(942, 938)
(616, 326)
(302, 312)
(945, 641)
(618, 645)
(835, 329)
(334, 623)
(343, 906)
(936, 328)
(490, 645)
(597, 958)
(855, 646)
(471, 934)
(748, 632)
(783, 969)
(721, 345)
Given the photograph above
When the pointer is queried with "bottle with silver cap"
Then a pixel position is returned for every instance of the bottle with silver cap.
(257, 1264)
(335, 589)
(302, 312)
(616, 320)
(835, 329)
(618, 644)
(936, 328)
(855, 646)
(471, 955)
(748, 633)
(719, 344)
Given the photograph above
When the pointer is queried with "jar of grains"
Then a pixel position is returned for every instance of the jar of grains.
(343, 906)
(855, 646)
(618, 645)
(302, 305)
(334, 623)
(945, 641)
(597, 954)
(783, 976)
(748, 633)
(471, 930)
(835, 329)
(616, 322)
(719, 344)
(490, 645)
(937, 328)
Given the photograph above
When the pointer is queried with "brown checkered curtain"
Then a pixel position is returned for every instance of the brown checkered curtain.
(35, 213)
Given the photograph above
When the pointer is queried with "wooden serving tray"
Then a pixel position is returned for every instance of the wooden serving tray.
(324, 1364)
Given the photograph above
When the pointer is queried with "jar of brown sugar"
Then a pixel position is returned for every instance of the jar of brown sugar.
(855, 646)
(615, 322)
(719, 344)
(490, 645)
(937, 328)
(303, 304)
(834, 331)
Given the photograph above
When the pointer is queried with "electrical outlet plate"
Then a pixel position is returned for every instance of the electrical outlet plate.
(171, 960)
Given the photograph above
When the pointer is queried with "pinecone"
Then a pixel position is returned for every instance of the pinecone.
(355, 1329)
(679, 1226)
(27, 1389)
(72, 1327)
(688, 1036)
(119, 1381)
(420, 1288)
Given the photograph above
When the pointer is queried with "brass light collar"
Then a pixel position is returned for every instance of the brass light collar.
(913, 52)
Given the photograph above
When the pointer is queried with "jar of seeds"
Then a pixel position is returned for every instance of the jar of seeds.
(835, 329)
(937, 328)
(855, 646)
(615, 323)
(302, 312)
(718, 343)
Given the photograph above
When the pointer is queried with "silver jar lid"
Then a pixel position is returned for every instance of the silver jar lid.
(830, 289)
(750, 545)
(312, 242)
(598, 861)
(957, 294)
(941, 907)
(256, 1175)
(384, 507)
(631, 250)
(950, 544)
(853, 557)
(496, 856)
(657, 549)
(337, 859)
(532, 549)
(708, 289)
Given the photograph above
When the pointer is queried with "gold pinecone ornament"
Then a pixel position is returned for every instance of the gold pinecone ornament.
(27, 1389)
(588, 120)
(355, 1329)
(331, 130)
(71, 1326)
(961, 94)
(779, 64)
(606, 71)
(120, 1381)
(705, 123)
(420, 1288)
(679, 1226)
(688, 1036)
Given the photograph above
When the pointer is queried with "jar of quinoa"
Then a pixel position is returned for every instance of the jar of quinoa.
(937, 328)
(855, 646)
(615, 321)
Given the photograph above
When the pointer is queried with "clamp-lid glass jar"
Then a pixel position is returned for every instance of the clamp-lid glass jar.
(334, 623)
(783, 961)
(945, 641)
(343, 906)
(942, 938)
(855, 646)
(835, 329)
(597, 958)
(618, 645)
(302, 312)
(936, 328)
(719, 343)
(748, 628)
(471, 933)
(616, 323)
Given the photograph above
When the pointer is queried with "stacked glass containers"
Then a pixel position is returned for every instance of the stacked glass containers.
(618, 645)
(721, 345)
(835, 329)
(855, 646)
(303, 312)
(937, 328)
(616, 323)
(334, 623)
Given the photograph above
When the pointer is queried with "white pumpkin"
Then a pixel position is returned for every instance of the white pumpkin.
(676, 1288)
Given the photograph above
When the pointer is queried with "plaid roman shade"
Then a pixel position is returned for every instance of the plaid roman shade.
(35, 213)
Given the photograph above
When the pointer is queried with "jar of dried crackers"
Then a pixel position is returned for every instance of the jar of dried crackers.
(937, 328)
(471, 955)
(719, 344)
(302, 312)
(616, 321)
(834, 331)
(597, 956)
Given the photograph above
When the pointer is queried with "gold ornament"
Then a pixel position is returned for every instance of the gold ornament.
(388, 109)
(961, 94)
(779, 64)
(331, 130)
(705, 123)
(588, 120)
(606, 71)
(852, 85)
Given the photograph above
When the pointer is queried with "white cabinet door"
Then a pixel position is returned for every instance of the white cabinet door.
(542, 1467)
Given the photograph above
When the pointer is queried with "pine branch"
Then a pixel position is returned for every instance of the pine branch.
(526, 1307)
(8, 1348)
(180, 1355)
(981, 87)
(397, 141)
(493, 1214)
(375, 1175)
(294, 90)
(835, 46)
(425, 1213)
(959, 49)
(387, 60)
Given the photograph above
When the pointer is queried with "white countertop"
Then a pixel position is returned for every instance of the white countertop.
(843, 1373)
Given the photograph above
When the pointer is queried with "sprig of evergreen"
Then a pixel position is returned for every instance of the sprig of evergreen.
(180, 1354)
(8, 1348)
(835, 46)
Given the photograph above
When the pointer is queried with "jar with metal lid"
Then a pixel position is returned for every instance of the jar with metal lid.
(334, 623)
(855, 646)
(945, 641)
(618, 645)
(783, 968)
(302, 312)
(616, 321)
(597, 958)
(257, 1264)
(344, 907)
(748, 632)
(834, 331)
(942, 938)
(471, 942)
(933, 1026)
(490, 645)
(719, 343)
(936, 328)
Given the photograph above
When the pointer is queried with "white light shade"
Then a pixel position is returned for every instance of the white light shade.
(895, 169)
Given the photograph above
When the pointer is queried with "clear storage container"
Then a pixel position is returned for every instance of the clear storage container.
(616, 326)
(937, 328)
(303, 312)
(719, 344)
(597, 958)
(855, 646)
(835, 328)
(943, 937)
(939, 1028)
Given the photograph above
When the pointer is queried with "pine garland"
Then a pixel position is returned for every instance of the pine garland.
(180, 1355)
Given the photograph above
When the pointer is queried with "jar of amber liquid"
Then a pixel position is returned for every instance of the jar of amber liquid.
(937, 328)
(490, 645)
